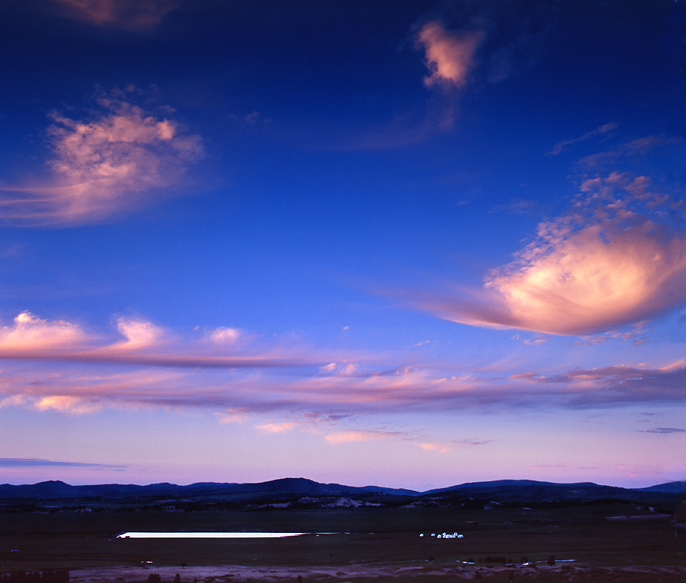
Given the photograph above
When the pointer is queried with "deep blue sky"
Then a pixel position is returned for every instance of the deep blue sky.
(413, 243)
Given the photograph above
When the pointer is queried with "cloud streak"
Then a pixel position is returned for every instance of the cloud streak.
(76, 372)
(601, 131)
(37, 463)
(118, 159)
(237, 396)
(664, 430)
(136, 15)
(632, 149)
(447, 446)
(307, 397)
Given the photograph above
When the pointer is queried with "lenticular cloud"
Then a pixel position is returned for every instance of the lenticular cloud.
(612, 261)
(115, 161)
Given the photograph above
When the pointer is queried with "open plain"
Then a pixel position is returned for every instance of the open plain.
(584, 542)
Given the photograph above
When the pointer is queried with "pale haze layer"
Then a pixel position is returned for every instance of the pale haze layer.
(414, 247)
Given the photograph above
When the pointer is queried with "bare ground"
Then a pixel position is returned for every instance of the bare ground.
(411, 573)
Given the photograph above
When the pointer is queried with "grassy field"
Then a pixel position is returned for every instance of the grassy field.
(596, 536)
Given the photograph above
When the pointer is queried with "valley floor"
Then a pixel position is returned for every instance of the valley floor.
(396, 573)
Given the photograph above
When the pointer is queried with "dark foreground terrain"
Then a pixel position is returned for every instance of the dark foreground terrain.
(590, 542)
(377, 538)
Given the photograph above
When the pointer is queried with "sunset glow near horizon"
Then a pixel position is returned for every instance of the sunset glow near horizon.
(410, 243)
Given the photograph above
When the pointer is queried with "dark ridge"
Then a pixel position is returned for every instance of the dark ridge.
(284, 486)
(305, 493)
(667, 488)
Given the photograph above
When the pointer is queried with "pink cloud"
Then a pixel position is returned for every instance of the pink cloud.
(608, 263)
(147, 367)
(277, 426)
(140, 343)
(117, 160)
(339, 369)
(350, 436)
(437, 447)
(305, 400)
(231, 416)
(225, 335)
(32, 334)
(449, 55)
(357, 435)
(446, 446)
(611, 385)
(128, 14)
(137, 335)
(66, 404)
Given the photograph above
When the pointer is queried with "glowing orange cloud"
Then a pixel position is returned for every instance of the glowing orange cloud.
(449, 56)
(602, 266)
(66, 404)
(594, 279)
(112, 163)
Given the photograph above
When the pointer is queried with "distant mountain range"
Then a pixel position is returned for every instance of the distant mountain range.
(300, 486)
(304, 493)
(582, 489)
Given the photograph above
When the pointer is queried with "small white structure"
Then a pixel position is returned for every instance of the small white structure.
(448, 535)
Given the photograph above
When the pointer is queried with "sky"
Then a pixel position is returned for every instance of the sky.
(412, 243)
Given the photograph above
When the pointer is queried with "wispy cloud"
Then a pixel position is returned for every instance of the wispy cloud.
(637, 335)
(231, 416)
(635, 148)
(6, 462)
(449, 55)
(116, 160)
(447, 446)
(128, 14)
(332, 428)
(350, 436)
(356, 435)
(225, 335)
(74, 371)
(663, 430)
(140, 343)
(616, 258)
(66, 404)
(306, 401)
(463, 44)
(485, 41)
(616, 385)
(277, 426)
(601, 131)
